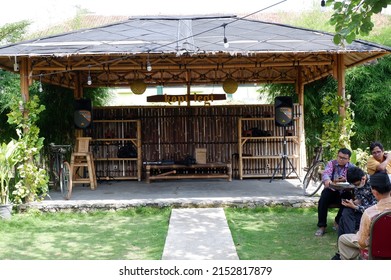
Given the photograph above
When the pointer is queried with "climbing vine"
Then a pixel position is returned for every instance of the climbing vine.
(337, 129)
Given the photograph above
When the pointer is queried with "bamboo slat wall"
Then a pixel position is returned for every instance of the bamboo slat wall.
(172, 133)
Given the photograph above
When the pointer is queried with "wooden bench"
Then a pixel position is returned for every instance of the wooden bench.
(194, 171)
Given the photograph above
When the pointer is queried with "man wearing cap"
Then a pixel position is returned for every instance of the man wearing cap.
(354, 208)
(349, 244)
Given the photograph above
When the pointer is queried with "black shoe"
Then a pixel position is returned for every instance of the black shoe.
(336, 257)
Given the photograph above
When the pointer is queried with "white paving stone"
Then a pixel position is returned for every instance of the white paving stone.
(199, 234)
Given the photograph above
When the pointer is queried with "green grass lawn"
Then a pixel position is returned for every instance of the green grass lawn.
(280, 233)
(135, 234)
(276, 233)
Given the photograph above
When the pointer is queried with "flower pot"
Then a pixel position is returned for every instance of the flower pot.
(5, 211)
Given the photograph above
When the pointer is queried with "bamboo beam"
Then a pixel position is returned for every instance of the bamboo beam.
(341, 82)
(158, 67)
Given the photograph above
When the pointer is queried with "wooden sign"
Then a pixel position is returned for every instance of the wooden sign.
(171, 99)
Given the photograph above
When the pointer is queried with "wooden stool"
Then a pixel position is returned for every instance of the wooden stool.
(82, 157)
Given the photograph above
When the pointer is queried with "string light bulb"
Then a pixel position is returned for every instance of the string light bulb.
(16, 65)
(89, 80)
(226, 44)
(149, 66)
(40, 89)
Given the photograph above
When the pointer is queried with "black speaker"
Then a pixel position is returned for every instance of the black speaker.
(283, 108)
(83, 113)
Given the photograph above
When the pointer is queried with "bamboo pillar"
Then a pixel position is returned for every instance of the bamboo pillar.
(301, 129)
(78, 94)
(24, 79)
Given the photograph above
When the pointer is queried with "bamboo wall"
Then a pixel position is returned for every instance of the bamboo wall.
(172, 133)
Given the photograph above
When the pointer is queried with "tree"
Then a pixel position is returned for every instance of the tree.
(354, 17)
(13, 32)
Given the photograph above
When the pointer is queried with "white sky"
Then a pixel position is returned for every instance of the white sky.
(43, 13)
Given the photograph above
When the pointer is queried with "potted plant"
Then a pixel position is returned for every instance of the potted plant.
(8, 160)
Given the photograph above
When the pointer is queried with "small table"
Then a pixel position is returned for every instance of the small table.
(342, 186)
(194, 171)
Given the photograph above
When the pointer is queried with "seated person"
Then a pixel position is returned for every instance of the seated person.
(353, 209)
(335, 171)
(379, 161)
(349, 244)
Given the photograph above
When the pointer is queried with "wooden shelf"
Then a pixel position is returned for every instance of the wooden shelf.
(259, 156)
(107, 164)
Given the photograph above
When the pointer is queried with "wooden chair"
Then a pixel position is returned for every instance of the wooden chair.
(379, 239)
(82, 158)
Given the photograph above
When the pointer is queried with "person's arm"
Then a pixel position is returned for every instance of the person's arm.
(383, 165)
(327, 174)
(363, 232)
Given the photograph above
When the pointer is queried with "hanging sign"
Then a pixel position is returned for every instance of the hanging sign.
(172, 99)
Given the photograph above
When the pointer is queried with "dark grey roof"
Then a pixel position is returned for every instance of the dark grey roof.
(187, 50)
(190, 34)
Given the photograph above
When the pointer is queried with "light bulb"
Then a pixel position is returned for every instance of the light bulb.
(40, 89)
(322, 3)
(16, 65)
(89, 81)
(226, 44)
(149, 66)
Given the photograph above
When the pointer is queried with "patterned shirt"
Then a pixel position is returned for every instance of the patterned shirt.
(365, 196)
(333, 171)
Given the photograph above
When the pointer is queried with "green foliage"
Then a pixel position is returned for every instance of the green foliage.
(354, 17)
(32, 180)
(337, 129)
(56, 122)
(360, 157)
(13, 32)
(370, 87)
(8, 160)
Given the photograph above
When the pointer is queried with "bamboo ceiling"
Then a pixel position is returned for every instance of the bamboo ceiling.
(185, 50)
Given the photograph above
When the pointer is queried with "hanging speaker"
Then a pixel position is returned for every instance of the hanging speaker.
(283, 108)
(83, 114)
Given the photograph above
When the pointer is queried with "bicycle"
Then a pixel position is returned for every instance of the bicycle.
(313, 179)
(60, 169)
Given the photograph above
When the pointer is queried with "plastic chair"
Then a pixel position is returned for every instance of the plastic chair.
(380, 238)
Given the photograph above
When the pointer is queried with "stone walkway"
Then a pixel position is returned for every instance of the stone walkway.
(199, 234)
